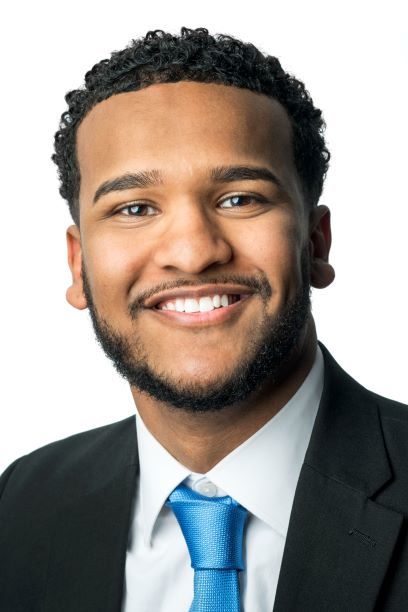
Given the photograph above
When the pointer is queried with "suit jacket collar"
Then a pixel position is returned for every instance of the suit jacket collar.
(347, 442)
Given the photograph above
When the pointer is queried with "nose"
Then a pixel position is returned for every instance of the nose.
(192, 242)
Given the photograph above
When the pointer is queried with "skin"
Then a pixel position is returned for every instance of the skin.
(190, 232)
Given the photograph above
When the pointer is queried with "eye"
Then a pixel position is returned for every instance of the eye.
(238, 201)
(137, 210)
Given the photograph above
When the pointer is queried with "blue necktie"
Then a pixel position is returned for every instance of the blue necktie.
(213, 529)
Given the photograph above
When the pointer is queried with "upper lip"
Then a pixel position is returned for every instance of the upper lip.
(196, 293)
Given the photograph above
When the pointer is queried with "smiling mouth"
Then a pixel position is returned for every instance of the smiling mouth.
(205, 303)
(207, 310)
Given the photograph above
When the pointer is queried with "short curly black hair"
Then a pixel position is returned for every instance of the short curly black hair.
(194, 55)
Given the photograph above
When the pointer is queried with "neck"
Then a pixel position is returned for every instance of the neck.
(200, 441)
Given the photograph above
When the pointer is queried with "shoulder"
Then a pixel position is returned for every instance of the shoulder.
(353, 412)
(347, 388)
(391, 409)
(394, 421)
(69, 467)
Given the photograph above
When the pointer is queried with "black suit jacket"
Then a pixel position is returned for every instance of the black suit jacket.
(65, 511)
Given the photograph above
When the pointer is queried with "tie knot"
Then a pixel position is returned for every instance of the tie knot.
(213, 528)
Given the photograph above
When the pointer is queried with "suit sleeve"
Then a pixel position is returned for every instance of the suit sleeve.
(6, 475)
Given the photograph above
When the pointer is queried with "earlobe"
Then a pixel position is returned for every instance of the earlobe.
(75, 293)
(321, 272)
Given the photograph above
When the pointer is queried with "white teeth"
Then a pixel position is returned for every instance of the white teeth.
(191, 305)
(180, 305)
(206, 304)
(202, 304)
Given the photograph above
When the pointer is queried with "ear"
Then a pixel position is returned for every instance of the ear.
(75, 293)
(321, 272)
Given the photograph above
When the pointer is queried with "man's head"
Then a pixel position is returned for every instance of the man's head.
(193, 167)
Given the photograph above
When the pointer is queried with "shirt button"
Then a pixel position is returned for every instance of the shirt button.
(205, 487)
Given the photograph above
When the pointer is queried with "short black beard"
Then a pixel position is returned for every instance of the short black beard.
(275, 340)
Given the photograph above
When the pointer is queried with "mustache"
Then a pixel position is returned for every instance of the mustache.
(257, 284)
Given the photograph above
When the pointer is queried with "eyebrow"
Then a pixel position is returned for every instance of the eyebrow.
(219, 174)
(141, 179)
(228, 174)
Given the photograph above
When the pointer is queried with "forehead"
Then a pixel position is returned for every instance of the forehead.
(181, 128)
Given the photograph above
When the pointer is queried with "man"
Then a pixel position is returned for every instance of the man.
(259, 474)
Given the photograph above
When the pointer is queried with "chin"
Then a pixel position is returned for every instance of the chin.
(198, 378)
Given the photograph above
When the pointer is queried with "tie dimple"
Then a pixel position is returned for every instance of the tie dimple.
(213, 529)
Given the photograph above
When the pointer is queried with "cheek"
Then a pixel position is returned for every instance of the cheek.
(113, 264)
(274, 247)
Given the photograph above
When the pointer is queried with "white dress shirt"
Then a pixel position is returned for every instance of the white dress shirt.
(261, 474)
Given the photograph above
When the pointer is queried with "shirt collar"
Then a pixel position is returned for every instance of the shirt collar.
(160, 473)
(261, 474)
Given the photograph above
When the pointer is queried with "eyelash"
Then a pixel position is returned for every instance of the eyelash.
(256, 199)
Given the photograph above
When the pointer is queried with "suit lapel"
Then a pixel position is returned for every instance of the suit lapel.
(86, 569)
(339, 541)
(337, 550)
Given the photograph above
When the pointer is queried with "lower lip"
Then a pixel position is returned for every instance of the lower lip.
(194, 319)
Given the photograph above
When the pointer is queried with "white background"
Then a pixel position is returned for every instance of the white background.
(353, 58)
